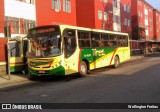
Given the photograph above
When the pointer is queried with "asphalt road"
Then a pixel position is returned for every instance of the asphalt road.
(133, 82)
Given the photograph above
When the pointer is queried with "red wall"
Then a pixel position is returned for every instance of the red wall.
(3, 53)
(1, 16)
(104, 7)
(85, 13)
(136, 20)
(125, 15)
(156, 25)
(46, 15)
(134, 12)
(150, 23)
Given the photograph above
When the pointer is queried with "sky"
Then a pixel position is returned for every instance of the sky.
(155, 3)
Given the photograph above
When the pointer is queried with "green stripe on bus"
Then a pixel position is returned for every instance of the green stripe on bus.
(16, 68)
(56, 71)
(92, 55)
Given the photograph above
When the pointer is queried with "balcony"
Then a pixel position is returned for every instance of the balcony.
(19, 9)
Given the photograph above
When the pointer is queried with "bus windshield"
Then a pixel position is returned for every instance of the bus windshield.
(44, 45)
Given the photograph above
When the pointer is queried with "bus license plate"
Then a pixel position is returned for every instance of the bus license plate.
(42, 72)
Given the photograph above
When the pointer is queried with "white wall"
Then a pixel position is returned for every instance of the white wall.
(117, 12)
(19, 9)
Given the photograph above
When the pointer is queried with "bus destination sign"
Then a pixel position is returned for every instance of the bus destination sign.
(44, 30)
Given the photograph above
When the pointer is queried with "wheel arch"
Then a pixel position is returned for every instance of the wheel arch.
(117, 56)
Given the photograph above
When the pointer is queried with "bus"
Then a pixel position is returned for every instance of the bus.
(18, 49)
(65, 49)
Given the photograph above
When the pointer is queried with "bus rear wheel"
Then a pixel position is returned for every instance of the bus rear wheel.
(83, 69)
(116, 62)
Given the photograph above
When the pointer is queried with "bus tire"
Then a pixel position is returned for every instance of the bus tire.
(116, 62)
(83, 69)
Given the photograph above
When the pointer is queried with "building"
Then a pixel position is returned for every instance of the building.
(20, 15)
(156, 25)
(142, 20)
(56, 12)
(114, 15)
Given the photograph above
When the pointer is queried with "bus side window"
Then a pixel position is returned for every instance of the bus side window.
(113, 40)
(84, 39)
(70, 42)
(95, 40)
(106, 40)
(119, 40)
(125, 39)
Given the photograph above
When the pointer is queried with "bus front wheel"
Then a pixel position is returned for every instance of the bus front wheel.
(116, 62)
(32, 77)
(83, 69)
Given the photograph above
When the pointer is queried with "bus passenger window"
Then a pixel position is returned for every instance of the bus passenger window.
(101, 43)
(113, 40)
(84, 39)
(95, 40)
(125, 40)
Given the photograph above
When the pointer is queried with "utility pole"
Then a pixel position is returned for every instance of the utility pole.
(7, 34)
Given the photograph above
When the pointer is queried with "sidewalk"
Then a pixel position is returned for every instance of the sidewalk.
(17, 79)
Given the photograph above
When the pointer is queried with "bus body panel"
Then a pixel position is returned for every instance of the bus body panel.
(16, 64)
(71, 63)
(46, 66)
(101, 57)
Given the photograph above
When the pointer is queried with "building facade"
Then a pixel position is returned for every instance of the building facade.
(56, 12)
(20, 15)
(156, 25)
(1, 18)
(114, 15)
(126, 24)
(142, 20)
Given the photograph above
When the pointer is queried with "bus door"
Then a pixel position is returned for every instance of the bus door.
(71, 54)
(16, 60)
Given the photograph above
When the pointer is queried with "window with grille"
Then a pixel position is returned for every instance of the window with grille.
(100, 14)
(105, 16)
(13, 23)
(125, 21)
(29, 1)
(28, 24)
(67, 6)
(56, 5)
(116, 4)
(116, 19)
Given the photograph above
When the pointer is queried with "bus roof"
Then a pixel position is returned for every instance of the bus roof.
(81, 28)
(90, 29)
